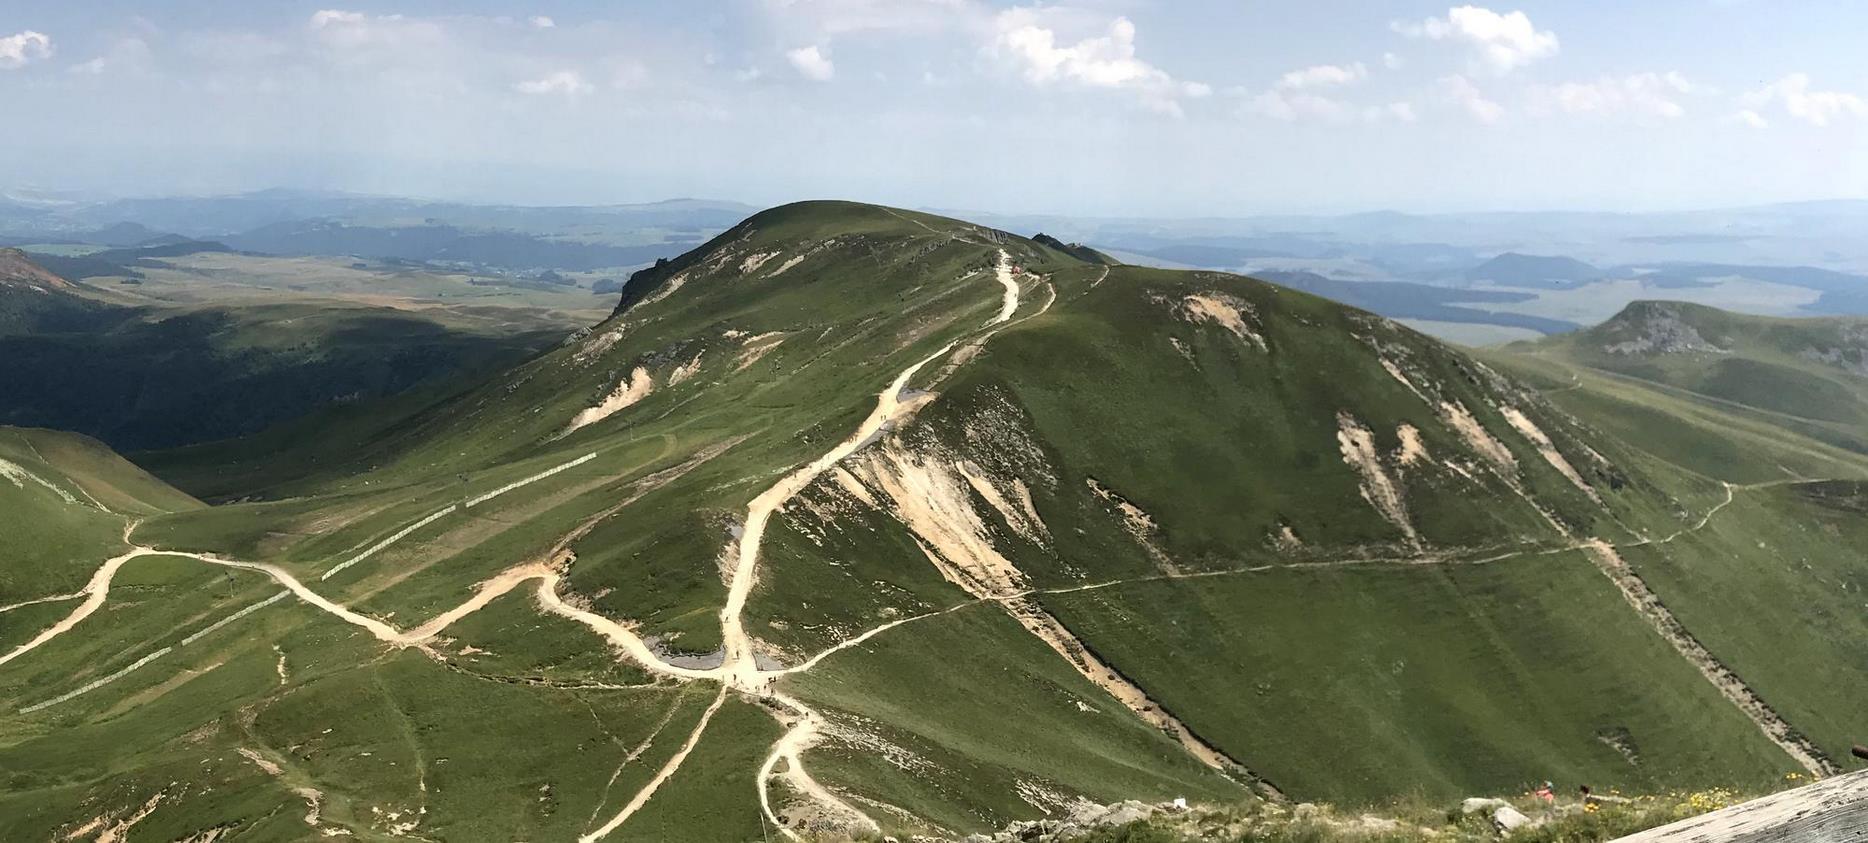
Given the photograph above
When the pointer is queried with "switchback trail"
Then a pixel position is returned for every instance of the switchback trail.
(739, 670)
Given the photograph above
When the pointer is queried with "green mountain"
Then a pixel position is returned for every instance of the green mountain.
(857, 521)
(1806, 375)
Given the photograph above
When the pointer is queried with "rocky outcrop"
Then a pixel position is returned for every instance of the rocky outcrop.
(1657, 328)
(1078, 820)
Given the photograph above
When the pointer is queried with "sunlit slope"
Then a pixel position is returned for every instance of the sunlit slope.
(624, 460)
(65, 504)
(858, 521)
(1171, 471)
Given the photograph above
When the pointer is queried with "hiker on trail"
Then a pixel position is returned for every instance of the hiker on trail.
(1546, 792)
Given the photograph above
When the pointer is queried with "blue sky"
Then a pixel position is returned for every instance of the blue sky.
(1105, 107)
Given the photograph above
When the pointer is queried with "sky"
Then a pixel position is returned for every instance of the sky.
(1095, 107)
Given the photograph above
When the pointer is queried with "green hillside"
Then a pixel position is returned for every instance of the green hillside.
(1809, 376)
(859, 521)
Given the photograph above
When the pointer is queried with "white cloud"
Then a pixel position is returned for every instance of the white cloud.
(336, 17)
(567, 83)
(1459, 91)
(1817, 108)
(1392, 61)
(1503, 42)
(812, 63)
(403, 39)
(20, 48)
(1280, 104)
(1323, 76)
(542, 22)
(1749, 119)
(1644, 94)
(1106, 61)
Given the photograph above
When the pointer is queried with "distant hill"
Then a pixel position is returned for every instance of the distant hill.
(17, 269)
(1404, 300)
(1546, 272)
(443, 244)
(1810, 373)
(141, 377)
(217, 216)
(123, 262)
(35, 300)
(1207, 255)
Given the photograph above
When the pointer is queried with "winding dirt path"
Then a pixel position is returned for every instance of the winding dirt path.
(624, 640)
(56, 598)
(95, 593)
(739, 671)
(1003, 271)
(804, 733)
(740, 668)
(667, 772)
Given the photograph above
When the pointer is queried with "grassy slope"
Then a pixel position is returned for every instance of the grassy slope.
(52, 538)
(1222, 446)
(934, 754)
(702, 448)
(1358, 685)
(1809, 376)
(1100, 390)
(1775, 587)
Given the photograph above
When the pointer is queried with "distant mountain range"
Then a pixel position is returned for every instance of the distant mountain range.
(289, 222)
(1812, 246)
(216, 216)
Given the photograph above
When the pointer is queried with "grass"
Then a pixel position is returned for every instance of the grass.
(1802, 375)
(713, 795)
(1051, 730)
(1362, 684)
(517, 643)
(1774, 589)
(1365, 685)
(64, 503)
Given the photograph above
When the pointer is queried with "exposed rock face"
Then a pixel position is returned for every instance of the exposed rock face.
(1850, 354)
(1657, 328)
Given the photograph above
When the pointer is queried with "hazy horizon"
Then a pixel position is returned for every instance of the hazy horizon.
(1093, 108)
(36, 194)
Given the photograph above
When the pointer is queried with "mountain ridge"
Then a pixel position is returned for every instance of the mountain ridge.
(887, 523)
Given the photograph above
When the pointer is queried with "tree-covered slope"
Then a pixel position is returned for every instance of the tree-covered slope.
(857, 521)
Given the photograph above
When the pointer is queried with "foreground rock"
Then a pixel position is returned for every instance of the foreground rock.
(1827, 811)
